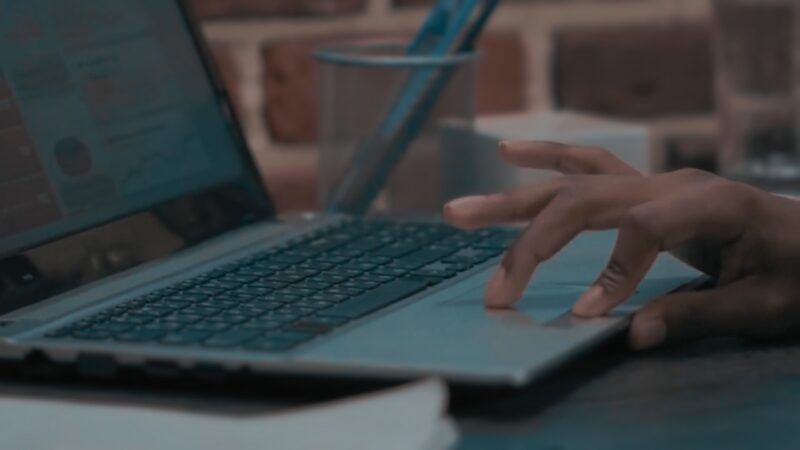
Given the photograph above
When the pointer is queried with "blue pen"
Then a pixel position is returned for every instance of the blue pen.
(433, 28)
(421, 77)
(373, 162)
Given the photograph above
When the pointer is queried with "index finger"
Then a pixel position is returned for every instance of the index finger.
(515, 206)
(567, 159)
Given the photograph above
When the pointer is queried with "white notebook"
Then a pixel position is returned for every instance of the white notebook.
(404, 418)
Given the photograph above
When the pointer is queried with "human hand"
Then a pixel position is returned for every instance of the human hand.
(748, 239)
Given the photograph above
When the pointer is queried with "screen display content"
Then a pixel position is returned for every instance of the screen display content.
(108, 114)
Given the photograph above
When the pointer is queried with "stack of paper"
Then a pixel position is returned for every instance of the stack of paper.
(404, 418)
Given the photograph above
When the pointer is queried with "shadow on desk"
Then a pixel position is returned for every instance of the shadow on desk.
(740, 394)
(723, 393)
(643, 372)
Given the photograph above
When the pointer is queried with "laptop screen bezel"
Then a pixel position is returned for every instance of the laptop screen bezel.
(224, 98)
(18, 265)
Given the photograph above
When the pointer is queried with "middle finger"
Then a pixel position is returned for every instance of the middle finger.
(595, 205)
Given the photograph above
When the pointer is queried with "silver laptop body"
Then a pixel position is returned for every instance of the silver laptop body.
(123, 174)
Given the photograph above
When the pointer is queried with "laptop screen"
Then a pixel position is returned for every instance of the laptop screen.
(109, 120)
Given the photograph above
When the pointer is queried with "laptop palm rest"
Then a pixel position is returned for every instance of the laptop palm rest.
(452, 333)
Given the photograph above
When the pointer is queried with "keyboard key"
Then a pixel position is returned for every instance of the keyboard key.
(231, 338)
(333, 278)
(255, 290)
(375, 278)
(313, 304)
(255, 309)
(281, 316)
(164, 326)
(60, 332)
(327, 297)
(375, 299)
(138, 319)
(262, 324)
(282, 297)
(316, 264)
(297, 311)
(185, 337)
(271, 345)
(91, 334)
(187, 297)
(398, 249)
(325, 320)
(214, 327)
(203, 290)
(240, 278)
(349, 291)
(112, 327)
(334, 259)
(183, 317)
(201, 310)
(424, 257)
(234, 318)
(153, 310)
(267, 305)
(363, 285)
(217, 304)
(312, 284)
(316, 325)
(265, 285)
(298, 289)
(285, 335)
(390, 271)
(223, 284)
(140, 335)
(173, 305)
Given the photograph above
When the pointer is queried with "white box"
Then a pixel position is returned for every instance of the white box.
(471, 163)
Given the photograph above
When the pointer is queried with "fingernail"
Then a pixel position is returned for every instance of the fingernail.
(647, 334)
(466, 203)
(495, 289)
(587, 303)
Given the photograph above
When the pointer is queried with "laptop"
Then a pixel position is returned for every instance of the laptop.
(135, 231)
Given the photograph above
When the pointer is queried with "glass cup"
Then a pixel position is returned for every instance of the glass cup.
(359, 82)
(757, 46)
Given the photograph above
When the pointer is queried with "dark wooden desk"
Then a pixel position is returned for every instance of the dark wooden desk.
(723, 394)
(715, 395)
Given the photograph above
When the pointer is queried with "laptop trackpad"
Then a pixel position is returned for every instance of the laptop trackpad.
(540, 304)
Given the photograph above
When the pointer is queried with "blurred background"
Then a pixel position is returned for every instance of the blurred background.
(707, 83)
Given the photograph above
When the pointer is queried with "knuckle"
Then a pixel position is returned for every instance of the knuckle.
(614, 276)
(640, 219)
(539, 254)
(500, 201)
(746, 202)
(512, 255)
(573, 188)
(526, 248)
(601, 154)
(574, 201)
(589, 159)
(694, 175)
(774, 309)
(560, 162)
(517, 207)
(721, 188)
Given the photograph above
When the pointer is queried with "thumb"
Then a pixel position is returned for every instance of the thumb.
(746, 307)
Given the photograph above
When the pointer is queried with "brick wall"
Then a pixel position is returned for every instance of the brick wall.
(639, 59)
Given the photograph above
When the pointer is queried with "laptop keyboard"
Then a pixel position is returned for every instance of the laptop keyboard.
(279, 298)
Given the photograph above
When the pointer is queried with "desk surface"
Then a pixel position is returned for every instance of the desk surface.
(715, 395)
(724, 395)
